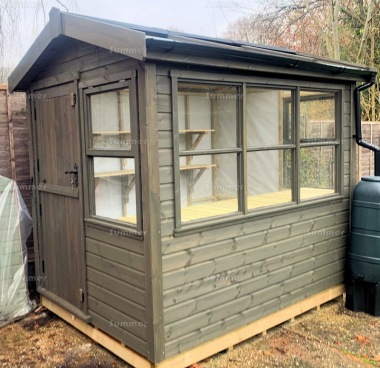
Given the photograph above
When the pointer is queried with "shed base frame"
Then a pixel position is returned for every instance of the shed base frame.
(205, 350)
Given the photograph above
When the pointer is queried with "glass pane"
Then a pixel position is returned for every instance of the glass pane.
(269, 178)
(207, 116)
(269, 117)
(317, 120)
(110, 120)
(317, 172)
(209, 186)
(115, 190)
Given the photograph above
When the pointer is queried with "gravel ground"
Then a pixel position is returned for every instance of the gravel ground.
(328, 338)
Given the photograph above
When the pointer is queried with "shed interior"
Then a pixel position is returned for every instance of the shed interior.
(208, 119)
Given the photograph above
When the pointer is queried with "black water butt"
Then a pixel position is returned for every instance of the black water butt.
(363, 263)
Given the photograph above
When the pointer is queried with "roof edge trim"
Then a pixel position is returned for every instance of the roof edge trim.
(52, 30)
(116, 39)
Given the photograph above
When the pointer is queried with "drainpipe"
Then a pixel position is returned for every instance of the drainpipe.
(358, 125)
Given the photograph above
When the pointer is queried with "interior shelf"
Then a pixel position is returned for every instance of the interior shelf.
(196, 131)
(195, 167)
(114, 174)
(108, 174)
(119, 132)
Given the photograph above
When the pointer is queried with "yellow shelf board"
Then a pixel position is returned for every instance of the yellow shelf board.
(129, 219)
(195, 167)
(112, 132)
(196, 131)
(109, 174)
(230, 206)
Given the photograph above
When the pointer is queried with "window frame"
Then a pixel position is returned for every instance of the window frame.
(279, 147)
(238, 150)
(337, 143)
(132, 153)
(177, 76)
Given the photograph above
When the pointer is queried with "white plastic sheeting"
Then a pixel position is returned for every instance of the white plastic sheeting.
(15, 227)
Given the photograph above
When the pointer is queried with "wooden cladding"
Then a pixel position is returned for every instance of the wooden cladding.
(14, 146)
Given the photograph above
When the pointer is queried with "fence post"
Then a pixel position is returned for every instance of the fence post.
(11, 138)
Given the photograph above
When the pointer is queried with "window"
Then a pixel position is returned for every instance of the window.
(319, 143)
(244, 148)
(113, 154)
(270, 146)
(115, 191)
(209, 150)
(110, 120)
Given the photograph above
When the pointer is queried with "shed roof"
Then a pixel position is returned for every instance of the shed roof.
(139, 42)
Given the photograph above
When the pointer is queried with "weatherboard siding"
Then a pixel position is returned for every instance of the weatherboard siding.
(116, 286)
(220, 279)
(115, 263)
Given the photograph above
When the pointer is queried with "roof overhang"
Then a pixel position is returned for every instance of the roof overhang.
(139, 43)
(117, 39)
(281, 60)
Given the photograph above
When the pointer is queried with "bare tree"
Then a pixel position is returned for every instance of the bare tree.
(14, 15)
(339, 29)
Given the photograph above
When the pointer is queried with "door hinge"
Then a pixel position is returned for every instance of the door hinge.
(73, 99)
(38, 164)
(81, 295)
(40, 210)
(35, 114)
(43, 266)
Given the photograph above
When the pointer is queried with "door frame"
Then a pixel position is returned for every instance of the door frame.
(36, 92)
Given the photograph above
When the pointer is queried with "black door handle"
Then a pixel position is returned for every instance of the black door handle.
(74, 172)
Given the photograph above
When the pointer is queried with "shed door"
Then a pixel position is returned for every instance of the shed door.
(61, 238)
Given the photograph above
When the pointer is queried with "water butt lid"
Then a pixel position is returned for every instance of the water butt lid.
(371, 178)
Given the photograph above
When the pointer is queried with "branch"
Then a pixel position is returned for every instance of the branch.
(366, 29)
(350, 14)
(59, 2)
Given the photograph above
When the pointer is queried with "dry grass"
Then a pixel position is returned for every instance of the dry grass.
(331, 337)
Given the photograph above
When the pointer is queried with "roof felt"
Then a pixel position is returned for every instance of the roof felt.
(159, 34)
(169, 34)
(100, 32)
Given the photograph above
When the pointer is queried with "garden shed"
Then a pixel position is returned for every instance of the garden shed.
(190, 192)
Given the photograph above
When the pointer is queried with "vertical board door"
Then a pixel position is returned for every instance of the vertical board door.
(61, 237)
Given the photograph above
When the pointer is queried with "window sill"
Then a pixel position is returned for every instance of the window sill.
(126, 231)
(210, 224)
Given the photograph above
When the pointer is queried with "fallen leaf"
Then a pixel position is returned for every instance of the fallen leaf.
(266, 352)
(376, 358)
(362, 339)
(195, 365)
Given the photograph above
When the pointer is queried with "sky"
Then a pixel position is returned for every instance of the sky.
(204, 17)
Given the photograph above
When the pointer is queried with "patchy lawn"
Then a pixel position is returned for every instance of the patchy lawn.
(331, 337)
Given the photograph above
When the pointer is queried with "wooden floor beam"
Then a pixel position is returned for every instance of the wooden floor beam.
(205, 350)
(98, 336)
(222, 343)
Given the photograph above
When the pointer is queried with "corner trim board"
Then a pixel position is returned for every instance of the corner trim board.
(47, 295)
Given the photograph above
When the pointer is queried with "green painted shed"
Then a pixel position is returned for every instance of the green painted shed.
(189, 192)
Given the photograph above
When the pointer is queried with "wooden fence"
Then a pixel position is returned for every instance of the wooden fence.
(14, 146)
(365, 162)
